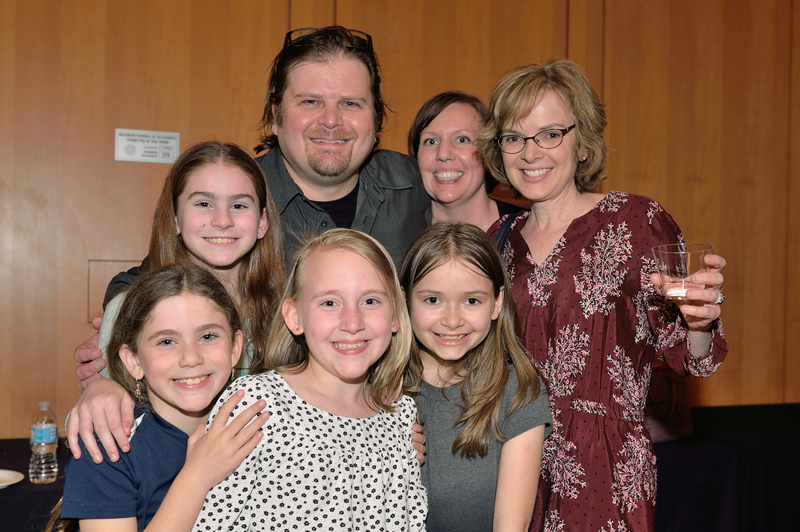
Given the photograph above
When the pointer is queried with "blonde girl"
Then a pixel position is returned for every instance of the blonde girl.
(215, 210)
(481, 401)
(334, 456)
(173, 347)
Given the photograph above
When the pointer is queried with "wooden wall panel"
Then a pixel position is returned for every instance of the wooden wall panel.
(429, 47)
(700, 97)
(73, 71)
(35, 208)
(68, 174)
(697, 95)
(312, 14)
(7, 127)
(791, 350)
(586, 39)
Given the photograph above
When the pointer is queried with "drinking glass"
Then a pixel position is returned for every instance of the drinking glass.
(677, 263)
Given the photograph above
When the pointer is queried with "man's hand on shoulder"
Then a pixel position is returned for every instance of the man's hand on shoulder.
(90, 359)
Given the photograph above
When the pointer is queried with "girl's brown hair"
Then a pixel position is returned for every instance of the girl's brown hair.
(142, 297)
(140, 300)
(262, 273)
(485, 368)
(286, 351)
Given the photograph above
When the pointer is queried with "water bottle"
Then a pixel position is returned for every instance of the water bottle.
(43, 468)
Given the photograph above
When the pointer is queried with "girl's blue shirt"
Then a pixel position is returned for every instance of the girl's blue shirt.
(136, 484)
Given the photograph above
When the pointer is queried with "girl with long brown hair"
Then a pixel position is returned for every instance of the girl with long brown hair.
(173, 347)
(216, 211)
(481, 401)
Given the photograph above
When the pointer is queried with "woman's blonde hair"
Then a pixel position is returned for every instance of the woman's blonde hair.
(286, 351)
(485, 368)
(518, 92)
(263, 271)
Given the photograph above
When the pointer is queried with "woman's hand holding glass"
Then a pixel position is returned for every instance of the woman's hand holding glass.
(702, 306)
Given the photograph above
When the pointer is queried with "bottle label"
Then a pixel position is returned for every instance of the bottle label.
(45, 433)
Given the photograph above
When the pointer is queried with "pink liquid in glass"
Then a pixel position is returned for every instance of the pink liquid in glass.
(678, 290)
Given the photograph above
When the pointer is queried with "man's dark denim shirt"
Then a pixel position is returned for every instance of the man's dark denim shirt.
(392, 204)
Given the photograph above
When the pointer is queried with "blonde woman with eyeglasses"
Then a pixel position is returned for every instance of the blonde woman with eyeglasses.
(591, 312)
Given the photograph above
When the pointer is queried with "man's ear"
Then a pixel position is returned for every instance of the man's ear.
(131, 361)
(291, 316)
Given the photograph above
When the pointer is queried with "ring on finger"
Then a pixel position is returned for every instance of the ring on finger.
(720, 298)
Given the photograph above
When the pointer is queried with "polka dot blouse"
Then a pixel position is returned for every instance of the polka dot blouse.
(318, 471)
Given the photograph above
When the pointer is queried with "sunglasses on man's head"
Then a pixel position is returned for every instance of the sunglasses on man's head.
(293, 36)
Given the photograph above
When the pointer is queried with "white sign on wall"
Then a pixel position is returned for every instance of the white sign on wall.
(138, 145)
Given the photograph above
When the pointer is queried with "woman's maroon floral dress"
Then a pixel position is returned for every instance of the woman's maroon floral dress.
(594, 323)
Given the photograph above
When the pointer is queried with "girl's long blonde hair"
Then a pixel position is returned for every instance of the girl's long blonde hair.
(485, 368)
(286, 351)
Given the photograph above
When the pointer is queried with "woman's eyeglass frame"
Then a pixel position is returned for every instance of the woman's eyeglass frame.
(536, 138)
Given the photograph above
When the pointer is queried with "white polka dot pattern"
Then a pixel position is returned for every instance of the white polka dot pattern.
(318, 471)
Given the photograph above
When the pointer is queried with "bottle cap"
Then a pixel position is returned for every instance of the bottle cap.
(44, 405)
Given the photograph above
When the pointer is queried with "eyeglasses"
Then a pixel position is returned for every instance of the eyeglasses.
(293, 36)
(547, 139)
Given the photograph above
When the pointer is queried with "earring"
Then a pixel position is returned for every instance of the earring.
(259, 234)
(233, 374)
(137, 392)
(583, 158)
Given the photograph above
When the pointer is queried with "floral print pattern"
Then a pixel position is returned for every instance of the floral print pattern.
(635, 474)
(589, 407)
(594, 323)
(652, 210)
(565, 360)
(601, 276)
(559, 465)
(554, 523)
(619, 526)
(632, 388)
(546, 277)
(612, 202)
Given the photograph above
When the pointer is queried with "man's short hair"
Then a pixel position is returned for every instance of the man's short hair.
(319, 45)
